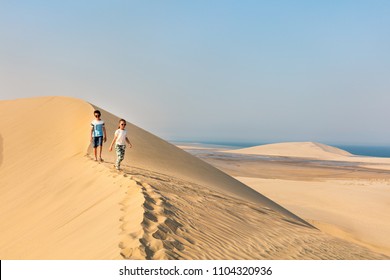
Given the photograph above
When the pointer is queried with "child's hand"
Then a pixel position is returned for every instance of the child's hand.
(110, 149)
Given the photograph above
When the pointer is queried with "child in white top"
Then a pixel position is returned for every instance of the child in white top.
(120, 140)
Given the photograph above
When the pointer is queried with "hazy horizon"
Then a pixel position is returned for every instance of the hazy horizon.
(235, 71)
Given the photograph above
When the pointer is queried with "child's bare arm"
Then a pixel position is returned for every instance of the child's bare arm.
(104, 134)
(128, 142)
(112, 143)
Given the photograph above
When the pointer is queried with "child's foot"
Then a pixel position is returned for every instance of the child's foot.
(101, 160)
(95, 159)
(117, 167)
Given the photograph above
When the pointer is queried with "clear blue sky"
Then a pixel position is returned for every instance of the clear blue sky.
(248, 71)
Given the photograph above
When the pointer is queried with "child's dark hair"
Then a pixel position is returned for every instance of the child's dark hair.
(119, 124)
(97, 112)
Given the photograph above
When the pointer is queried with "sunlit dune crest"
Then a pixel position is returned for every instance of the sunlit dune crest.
(296, 149)
(58, 203)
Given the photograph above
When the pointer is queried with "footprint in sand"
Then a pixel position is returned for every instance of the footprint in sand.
(158, 238)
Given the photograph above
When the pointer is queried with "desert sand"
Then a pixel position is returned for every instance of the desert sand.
(342, 194)
(58, 203)
(296, 149)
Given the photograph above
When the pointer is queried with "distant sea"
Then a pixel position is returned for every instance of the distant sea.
(361, 150)
(371, 151)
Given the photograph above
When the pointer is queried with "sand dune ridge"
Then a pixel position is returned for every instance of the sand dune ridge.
(296, 149)
(57, 203)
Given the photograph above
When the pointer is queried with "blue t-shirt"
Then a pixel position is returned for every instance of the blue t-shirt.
(97, 128)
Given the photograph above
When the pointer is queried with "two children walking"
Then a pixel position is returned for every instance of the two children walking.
(99, 135)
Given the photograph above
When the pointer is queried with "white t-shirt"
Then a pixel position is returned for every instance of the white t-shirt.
(121, 136)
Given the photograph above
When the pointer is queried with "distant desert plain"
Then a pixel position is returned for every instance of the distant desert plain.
(283, 201)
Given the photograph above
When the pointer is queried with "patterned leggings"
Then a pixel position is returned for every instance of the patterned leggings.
(120, 154)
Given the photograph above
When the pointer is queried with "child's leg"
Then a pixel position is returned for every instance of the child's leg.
(100, 144)
(95, 145)
(100, 151)
(120, 153)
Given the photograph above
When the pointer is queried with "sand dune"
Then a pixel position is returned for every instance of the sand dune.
(355, 210)
(57, 203)
(348, 199)
(313, 150)
(154, 154)
(296, 149)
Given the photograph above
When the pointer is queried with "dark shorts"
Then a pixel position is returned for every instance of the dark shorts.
(97, 141)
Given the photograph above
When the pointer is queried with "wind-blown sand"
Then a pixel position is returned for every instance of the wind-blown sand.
(313, 150)
(57, 203)
(341, 194)
(296, 149)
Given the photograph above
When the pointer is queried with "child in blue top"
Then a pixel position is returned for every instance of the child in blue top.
(98, 134)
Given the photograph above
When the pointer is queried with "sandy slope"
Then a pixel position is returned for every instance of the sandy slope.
(296, 149)
(355, 210)
(152, 153)
(56, 203)
(313, 150)
(347, 199)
